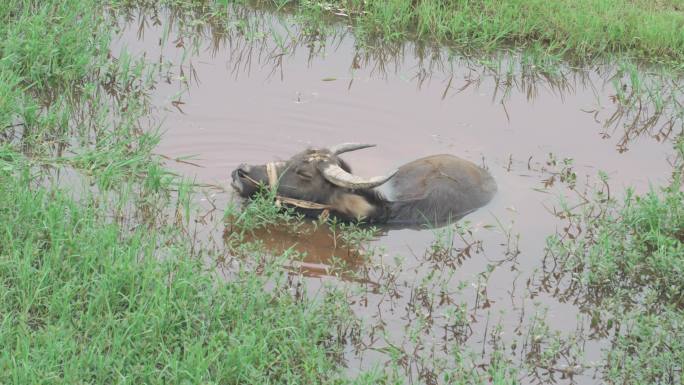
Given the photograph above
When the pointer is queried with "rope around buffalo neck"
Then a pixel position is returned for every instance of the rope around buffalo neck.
(272, 173)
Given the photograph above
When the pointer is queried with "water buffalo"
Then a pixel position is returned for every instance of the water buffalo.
(430, 190)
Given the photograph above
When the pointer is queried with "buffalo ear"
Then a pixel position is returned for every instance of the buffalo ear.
(352, 205)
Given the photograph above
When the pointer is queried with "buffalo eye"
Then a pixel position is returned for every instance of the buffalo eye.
(305, 174)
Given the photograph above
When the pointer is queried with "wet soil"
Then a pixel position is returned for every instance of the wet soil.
(269, 98)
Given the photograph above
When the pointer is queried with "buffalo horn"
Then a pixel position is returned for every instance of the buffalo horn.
(338, 176)
(346, 147)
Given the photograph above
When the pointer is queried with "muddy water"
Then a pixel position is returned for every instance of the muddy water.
(253, 102)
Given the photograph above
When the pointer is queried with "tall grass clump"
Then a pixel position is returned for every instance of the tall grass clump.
(84, 300)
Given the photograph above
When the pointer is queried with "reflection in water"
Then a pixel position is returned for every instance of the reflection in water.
(322, 251)
(642, 103)
(258, 87)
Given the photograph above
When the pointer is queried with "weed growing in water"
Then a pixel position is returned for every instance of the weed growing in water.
(260, 211)
(355, 236)
(443, 251)
(621, 261)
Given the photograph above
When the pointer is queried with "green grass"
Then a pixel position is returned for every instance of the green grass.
(85, 301)
(650, 31)
(104, 285)
(101, 285)
(647, 31)
(625, 268)
(632, 251)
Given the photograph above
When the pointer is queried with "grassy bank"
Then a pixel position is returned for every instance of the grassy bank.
(651, 31)
(98, 279)
(85, 301)
(583, 30)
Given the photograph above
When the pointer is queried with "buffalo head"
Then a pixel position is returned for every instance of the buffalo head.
(316, 175)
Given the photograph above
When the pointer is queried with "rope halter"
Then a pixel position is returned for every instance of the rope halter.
(272, 173)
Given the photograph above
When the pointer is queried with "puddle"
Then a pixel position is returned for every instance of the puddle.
(265, 100)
